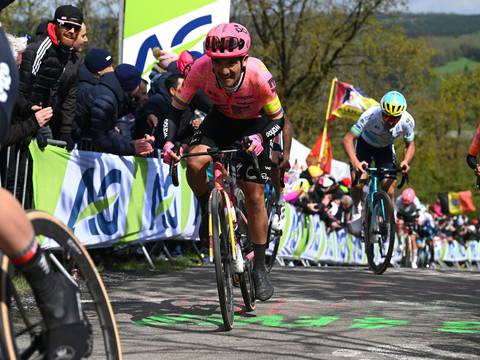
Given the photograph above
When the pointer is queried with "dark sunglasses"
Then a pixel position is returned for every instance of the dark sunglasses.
(70, 26)
(391, 119)
(223, 44)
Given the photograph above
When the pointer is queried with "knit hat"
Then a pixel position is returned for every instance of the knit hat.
(128, 76)
(68, 14)
(98, 59)
(164, 57)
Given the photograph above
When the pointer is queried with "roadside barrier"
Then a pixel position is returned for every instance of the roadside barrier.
(110, 199)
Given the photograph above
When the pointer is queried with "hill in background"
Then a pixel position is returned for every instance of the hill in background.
(456, 38)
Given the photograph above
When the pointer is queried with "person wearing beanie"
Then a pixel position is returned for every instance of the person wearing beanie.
(97, 63)
(109, 102)
(49, 74)
(129, 77)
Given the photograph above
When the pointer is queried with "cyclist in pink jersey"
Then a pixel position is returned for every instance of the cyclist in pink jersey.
(245, 103)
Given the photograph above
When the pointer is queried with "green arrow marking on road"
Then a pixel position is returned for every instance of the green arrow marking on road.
(461, 327)
(376, 323)
(265, 320)
(313, 321)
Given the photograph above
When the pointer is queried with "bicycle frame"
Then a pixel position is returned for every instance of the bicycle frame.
(372, 189)
(220, 177)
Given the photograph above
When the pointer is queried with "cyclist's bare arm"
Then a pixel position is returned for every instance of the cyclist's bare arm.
(409, 154)
(473, 151)
(348, 145)
(287, 135)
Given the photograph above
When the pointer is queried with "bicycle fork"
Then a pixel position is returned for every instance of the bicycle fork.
(229, 212)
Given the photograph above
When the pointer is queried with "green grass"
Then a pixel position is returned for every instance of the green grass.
(178, 263)
(460, 65)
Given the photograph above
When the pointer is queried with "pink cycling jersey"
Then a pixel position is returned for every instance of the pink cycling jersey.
(256, 95)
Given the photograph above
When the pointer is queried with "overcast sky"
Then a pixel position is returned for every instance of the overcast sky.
(469, 7)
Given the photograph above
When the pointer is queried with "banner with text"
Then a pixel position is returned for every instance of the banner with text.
(175, 25)
(107, 199)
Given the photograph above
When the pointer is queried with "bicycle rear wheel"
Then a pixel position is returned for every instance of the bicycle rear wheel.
(222, 257)
(246, 281)
(380, 233)
(272, 236)
(23, 328)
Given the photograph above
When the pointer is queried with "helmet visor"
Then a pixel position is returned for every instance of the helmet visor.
(228, 44)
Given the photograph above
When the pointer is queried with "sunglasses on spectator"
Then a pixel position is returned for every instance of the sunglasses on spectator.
(69, 26)
(225, 43)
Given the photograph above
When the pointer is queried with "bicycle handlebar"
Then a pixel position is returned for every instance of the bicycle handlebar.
(214, 152)
(384, 171)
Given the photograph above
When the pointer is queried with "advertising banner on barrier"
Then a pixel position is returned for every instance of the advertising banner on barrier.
(305, 237)
(175, 25)
(107, 199)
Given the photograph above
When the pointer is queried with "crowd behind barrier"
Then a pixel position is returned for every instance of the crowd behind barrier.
(110, 200)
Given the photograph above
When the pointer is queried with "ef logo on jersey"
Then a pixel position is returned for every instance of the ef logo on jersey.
(5, 81)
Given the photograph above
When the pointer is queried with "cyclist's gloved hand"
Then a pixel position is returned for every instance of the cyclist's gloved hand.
(170, 155)
(255, 144)
(167, 152)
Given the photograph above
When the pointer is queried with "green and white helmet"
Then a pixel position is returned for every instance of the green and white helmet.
(393, 103)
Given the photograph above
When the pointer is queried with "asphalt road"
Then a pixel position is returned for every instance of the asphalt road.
(316, 313)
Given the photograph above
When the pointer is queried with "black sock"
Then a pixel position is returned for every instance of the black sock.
(38, 273)
(259, 258)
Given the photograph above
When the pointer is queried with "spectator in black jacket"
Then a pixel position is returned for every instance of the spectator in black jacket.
(98, 62)
(22, 130)
(110, 97)
(49, 73)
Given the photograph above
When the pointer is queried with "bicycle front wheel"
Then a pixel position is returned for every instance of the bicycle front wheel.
(23, 327)
(380, 233)
(222, 257)
(246, 281)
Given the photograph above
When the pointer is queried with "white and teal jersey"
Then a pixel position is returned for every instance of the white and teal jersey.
(371, 127)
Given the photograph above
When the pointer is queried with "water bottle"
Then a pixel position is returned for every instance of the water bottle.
(238, 261)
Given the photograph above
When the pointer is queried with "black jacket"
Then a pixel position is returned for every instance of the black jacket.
(108, 102)
(86, 83)
(48, 77)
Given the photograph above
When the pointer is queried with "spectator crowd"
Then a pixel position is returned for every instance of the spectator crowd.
(315, 193)
(74, 93)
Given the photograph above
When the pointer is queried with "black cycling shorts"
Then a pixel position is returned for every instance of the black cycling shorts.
(384, 157)
(8, 85)
(221, 132)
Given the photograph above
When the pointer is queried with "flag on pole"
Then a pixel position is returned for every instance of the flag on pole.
(349, 102)
(324, 161)
(456, 203)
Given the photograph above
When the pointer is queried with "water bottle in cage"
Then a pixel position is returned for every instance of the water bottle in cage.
(238, 260)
